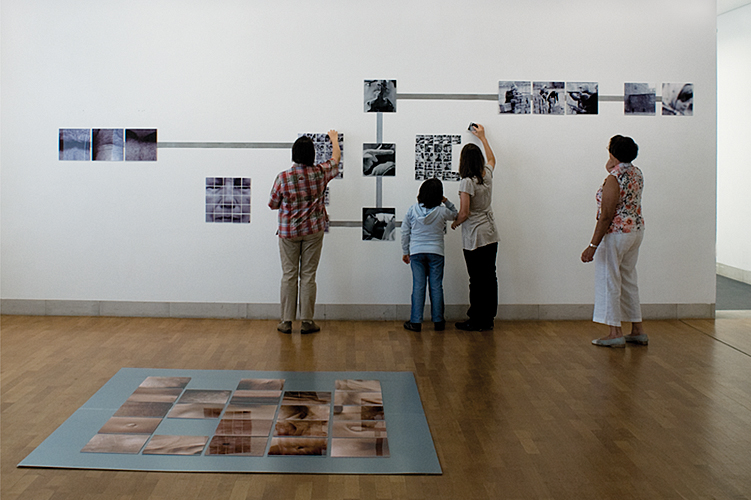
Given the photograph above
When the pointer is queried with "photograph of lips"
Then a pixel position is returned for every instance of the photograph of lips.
(228, 199)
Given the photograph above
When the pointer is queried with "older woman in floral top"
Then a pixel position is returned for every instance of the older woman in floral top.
(615, 246)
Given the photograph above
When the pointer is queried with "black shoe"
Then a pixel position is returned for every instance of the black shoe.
(284, 326)
(413, 327)
(309, 327)
(439, 326)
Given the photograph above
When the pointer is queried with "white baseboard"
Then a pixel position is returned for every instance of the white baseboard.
(734, 273)
(368, 312)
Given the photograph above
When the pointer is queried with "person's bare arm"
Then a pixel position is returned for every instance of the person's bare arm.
(479, 131)
(611, 192)
(336, 153)
(463, 210)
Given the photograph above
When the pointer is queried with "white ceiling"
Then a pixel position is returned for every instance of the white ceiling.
(728, 5)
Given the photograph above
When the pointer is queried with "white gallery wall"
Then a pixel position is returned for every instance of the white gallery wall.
(239, 71)
(733, 144)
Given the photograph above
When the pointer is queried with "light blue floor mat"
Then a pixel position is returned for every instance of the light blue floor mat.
(247, 421)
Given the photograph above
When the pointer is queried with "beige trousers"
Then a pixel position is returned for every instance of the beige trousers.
(299, 257)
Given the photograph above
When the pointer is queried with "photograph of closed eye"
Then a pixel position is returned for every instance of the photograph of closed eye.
(306, 398)
(176, 445)
(242, 427)
(116, 443)
(358, 412)
(360, 447)
(303, 413)
(298, 446)
(140, 144)
(358, 385)
(245, 446)
(75, 144)
(108, 144)
(196, 410)
(358, 398)
(302, 428)
(130, 425)
(143, 409)
(155, 394)
(260, 384)
(165, 382)
(204, 396)
(348, 429)
(228, 199)
(250, 412)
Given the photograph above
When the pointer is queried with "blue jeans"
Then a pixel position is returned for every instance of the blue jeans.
(427, 267)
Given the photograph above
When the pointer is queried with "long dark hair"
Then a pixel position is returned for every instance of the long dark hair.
(471, 162)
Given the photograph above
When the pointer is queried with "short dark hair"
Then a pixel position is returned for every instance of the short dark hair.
(431, 193)
(623, 148)
(304, 151)
(471, 162)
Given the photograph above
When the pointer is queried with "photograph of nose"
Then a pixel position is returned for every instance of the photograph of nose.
(228, 199)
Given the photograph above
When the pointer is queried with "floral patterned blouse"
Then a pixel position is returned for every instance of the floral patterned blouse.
(628, 216)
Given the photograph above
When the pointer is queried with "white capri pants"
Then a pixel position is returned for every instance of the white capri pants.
(616, 287)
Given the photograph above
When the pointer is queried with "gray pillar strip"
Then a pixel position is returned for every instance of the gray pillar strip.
(225, 145)
(379, 180)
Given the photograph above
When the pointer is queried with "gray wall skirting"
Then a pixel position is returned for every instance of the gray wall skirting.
(369, 312)
(734, 273)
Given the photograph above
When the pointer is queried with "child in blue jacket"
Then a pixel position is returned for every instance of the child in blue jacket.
(422, 248)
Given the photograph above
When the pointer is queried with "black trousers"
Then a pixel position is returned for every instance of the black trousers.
(483, 284)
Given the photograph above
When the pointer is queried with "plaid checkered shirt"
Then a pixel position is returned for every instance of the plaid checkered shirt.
(298, 195)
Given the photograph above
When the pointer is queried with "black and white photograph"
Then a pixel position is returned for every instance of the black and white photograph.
(358, 398)
(317, 428)
(677, 99)
(378, 159)
(108, 144)
(324, 149)
(250, 412)
(359, 413)
(353, 429)
(380, 96)
(75, 144)
(548, 98)
(205, 396)
(639, 99)
(148, 409)
(434, 157)
(246, 397)
(228, 199)
(581, 98)
(378, 224)
(155, 394)
(515, 97)
(140, 144)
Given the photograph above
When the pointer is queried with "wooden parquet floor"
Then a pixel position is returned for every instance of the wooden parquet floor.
(529, 411)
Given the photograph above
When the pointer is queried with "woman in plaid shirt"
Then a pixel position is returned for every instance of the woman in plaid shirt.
(298, 195)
